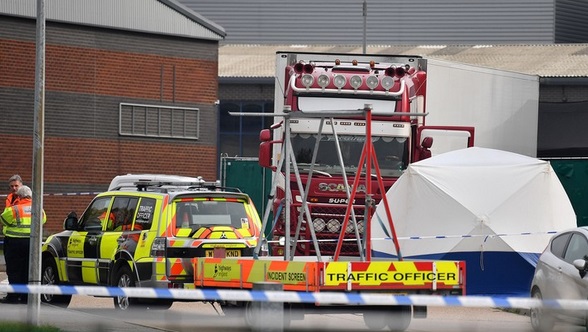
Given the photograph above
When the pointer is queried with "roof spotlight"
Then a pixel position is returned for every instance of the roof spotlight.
(307, 80)
(371, 82)
(390, 71)
(387, 82)
(323, 80)
(339, 81)
(298, 67)
(355, 81)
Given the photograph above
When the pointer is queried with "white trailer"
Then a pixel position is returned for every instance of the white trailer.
(502, 106)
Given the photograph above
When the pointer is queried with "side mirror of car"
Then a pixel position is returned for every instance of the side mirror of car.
(582, 266)
(71, 222)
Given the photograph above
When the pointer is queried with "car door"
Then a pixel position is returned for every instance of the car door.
(82, 247)
(550, 266)
(116, 235)
(574, 285)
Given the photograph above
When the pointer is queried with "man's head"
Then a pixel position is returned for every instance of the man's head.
(24, 192)
(14, 183)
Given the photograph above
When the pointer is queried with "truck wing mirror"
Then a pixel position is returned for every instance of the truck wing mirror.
(265, 148)
(427, 142)
(265, 135)
(425, 151)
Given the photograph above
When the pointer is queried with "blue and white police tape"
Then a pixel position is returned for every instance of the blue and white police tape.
(457, 236)
(326, 298)
(92, 193)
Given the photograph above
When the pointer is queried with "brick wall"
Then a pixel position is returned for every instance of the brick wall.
(89, 72)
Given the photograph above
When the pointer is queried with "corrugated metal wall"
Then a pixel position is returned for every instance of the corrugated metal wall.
(571, 25)
(135, 15)
(388, 21)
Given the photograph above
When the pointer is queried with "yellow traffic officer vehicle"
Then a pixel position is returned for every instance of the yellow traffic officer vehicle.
(146, 235)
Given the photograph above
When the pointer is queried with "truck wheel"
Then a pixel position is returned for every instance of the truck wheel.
(400, 317)
(124, 278)
(374, 319)
(50, 276)
(251, 315)
(233, 309)
(541, 321)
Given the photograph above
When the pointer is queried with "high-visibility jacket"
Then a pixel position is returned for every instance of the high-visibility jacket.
(17, 219)
(11, 199)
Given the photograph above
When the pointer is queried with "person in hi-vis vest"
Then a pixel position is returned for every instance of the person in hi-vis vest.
(16, 222)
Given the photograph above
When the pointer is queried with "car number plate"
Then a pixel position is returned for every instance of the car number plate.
(228, 253)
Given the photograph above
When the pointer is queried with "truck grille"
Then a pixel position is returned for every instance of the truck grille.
(327, 220)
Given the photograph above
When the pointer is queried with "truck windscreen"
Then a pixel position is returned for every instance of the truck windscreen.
(391, 152)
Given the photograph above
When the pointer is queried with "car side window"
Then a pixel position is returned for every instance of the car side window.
(95, 214)
(577, 249)
(122, 214)
(558, 244)
(145, 212)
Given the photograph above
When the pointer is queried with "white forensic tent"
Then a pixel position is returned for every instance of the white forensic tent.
(494, 209)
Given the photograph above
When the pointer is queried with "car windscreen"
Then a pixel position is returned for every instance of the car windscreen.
(195, 214)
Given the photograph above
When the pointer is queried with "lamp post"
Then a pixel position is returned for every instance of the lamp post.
(364, 26)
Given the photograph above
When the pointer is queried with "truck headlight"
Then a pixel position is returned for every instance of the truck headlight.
(319, 224)
(333, 226)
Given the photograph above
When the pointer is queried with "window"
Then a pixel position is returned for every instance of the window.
(239, 135)
(95, 215)
(145, 213)
(559, 243)
(159, 121)
(122, 213)
(577, 249)
(196, 214)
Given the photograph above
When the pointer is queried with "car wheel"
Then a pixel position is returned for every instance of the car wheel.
(50, 276)
(124, 278)
(400, 317)
(541, 320)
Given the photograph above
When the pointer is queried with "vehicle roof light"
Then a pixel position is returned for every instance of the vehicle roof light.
(390, 71)
(355, 81)
(337, 62)
(387, 82)
(307, 80)
(372, 82)
(299, 67)
(339, 81)
(308, 68)
(400, 71)
(372, 64)
(323, 80)
(354, 62)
